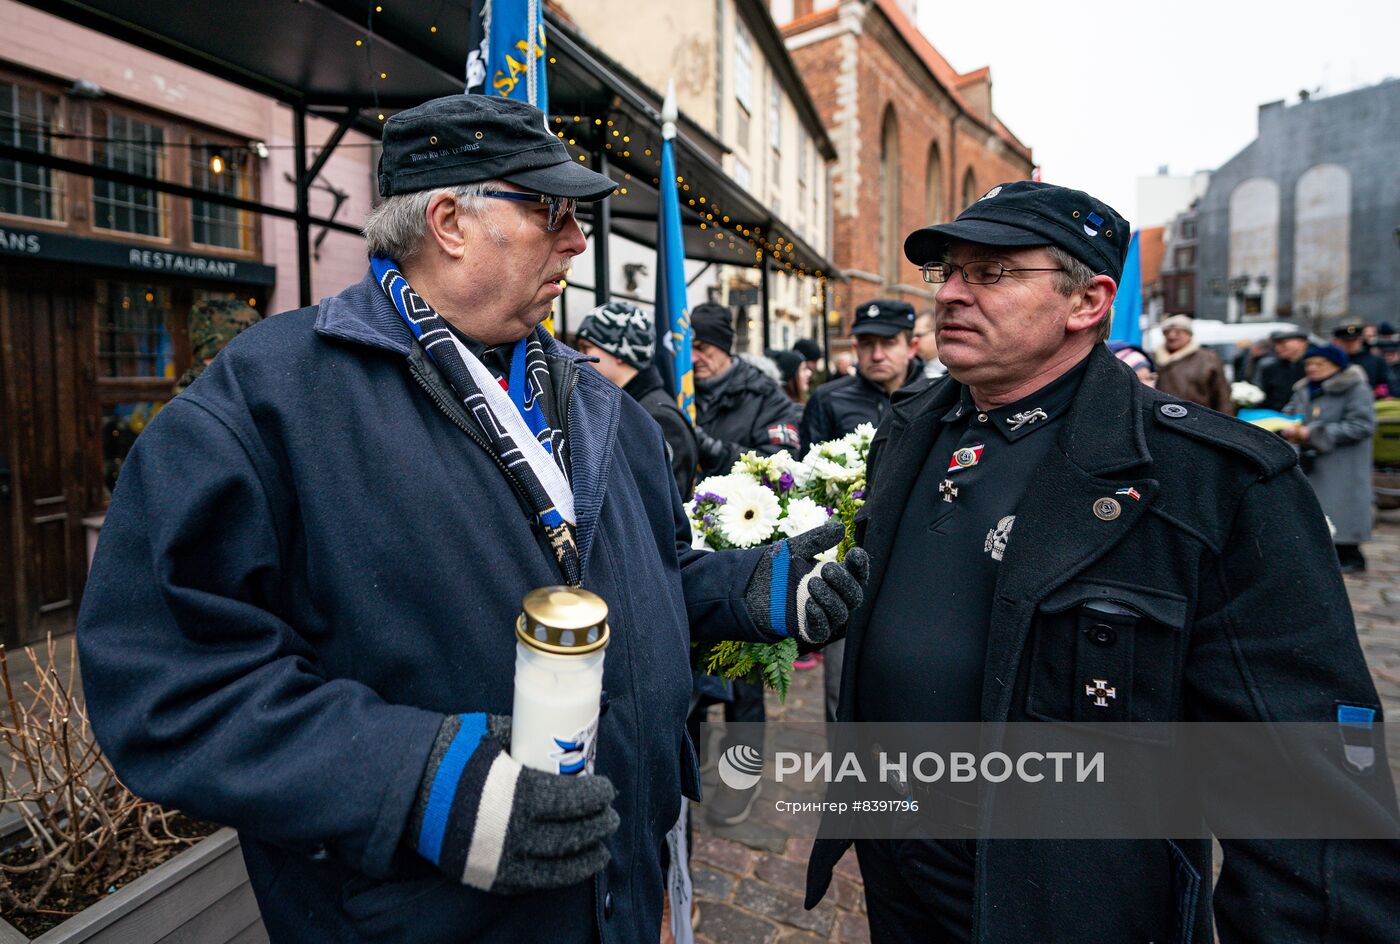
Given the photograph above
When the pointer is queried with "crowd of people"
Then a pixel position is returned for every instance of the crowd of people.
(1327, 391)
(300, 620)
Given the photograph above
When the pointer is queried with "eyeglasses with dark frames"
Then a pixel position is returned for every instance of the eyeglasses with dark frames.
(973, 273)
(560, 208)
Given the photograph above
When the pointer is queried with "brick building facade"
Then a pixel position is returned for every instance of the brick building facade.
(916, 141)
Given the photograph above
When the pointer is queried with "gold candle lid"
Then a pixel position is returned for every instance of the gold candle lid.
(562, 620)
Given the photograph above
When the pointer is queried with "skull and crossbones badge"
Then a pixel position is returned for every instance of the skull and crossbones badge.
(997, 537)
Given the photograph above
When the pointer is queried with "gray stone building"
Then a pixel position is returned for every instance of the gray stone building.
(1304, 223)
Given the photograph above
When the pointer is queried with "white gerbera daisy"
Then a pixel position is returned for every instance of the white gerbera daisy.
(749, 516)
(803, 514)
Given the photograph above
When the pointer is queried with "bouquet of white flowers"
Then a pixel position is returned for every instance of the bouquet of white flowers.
(1245, 394)
(764, 499)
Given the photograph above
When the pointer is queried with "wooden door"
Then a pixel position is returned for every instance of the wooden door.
(40, 360)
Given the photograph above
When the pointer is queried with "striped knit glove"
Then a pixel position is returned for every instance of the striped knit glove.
(493, 824)
(791, 594)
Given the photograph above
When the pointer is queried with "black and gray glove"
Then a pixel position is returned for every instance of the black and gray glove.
(493, 824)
(715, 454)
(792, 594)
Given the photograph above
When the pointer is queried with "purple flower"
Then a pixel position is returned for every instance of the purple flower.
(708, 521)
(711, 497)
(858, 493)
(785, 482)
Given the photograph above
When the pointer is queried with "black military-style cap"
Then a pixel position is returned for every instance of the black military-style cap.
(1347, 332)
(465, 139)
(1027, 213)
(884, 317)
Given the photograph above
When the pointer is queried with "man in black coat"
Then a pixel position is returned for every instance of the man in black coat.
(885, 361)
(738, 408)
(623, 339)
(1277, 376)
(1351, 338)
(1054, 541)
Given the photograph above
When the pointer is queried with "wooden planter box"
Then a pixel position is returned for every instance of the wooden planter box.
(201, 895)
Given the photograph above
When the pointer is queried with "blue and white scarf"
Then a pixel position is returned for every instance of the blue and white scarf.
(531, 450)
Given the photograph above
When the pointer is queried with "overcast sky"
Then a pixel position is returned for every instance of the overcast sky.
(1106, 92)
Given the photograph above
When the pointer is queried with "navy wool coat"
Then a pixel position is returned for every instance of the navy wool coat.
(309, 562)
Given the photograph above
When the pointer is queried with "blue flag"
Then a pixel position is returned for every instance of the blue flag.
(672, 312)
(1127, 307)
(515, 52)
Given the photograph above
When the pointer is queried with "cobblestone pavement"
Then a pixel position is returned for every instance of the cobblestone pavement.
(751, 892)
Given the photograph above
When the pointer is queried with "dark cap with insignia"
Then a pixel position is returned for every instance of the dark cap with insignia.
(884, 317)
(466, 139)
(1026, 213)
(1348, 332)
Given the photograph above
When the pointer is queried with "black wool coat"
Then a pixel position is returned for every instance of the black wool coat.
(1243, 616)
(749, 413)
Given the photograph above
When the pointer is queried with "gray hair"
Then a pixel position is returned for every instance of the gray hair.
(1077, 277)
(398, 226)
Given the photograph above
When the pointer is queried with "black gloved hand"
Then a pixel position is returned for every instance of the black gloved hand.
(712, 452)
(791, 594)
(493, 824)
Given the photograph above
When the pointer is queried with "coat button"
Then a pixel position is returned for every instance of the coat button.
(607, 905)
(1103, 634)
(1175, 410)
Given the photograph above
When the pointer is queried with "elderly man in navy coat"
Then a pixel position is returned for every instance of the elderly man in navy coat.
(1055, 542)
(300, 618)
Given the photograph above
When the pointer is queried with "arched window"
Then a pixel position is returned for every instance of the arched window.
(1322, 243)
(933, 187)
(889, 198)
(969, 190)
(1253, 276)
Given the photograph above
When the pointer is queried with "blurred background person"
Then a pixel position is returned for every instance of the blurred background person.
(213, 323)
(794, 374)
(1189, 371)
(883, 331)
(1277, 377)
(926, 346)
(1137, 359)
(738, 407)
(623, 339)
(811, 356)
(1351, 338)
(1334, 440)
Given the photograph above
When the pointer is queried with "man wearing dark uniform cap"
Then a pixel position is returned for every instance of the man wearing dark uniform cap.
(1007, 502)
(885, 361)
(1351, 338)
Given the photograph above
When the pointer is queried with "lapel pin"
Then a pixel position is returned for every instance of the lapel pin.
(949, 490)
(966, 457)
(1026, 417)
(1101, 692)
(1106, 509)
(1131, 492)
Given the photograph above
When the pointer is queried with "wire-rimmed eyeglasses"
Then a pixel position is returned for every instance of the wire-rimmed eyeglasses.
(973, 273)
(560, 208)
